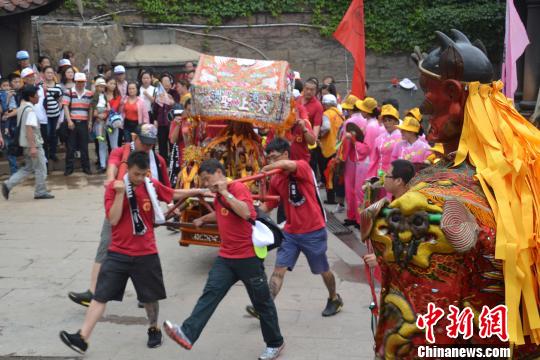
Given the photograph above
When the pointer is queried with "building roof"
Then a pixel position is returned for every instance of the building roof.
(155, 55)
(13, 7)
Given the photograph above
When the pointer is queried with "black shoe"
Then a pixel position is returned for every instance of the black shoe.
(44, 196)
(140, 305)
(68, 172)
(87, 171)
(74, 341)
(5, 191)
(333, 306)
(251, 311)
(82, 298)
(155, 339)
(349, 222)
(102, 170)
(54, 158)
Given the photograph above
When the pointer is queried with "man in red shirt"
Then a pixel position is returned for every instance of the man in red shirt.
(236, 260)
(315, 114)
(132, 208)
(144, 140)
(301, 134)
(305, 229)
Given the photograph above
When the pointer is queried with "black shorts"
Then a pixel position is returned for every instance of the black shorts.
(144, 271)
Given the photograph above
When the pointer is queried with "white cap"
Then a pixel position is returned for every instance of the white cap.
(100, 81)
(119, 69)
(329, 99)
(296, 75)
(22, 55)
(64, 62)
(296, 93)
(80, 77)
(27, 72)
(407, 84)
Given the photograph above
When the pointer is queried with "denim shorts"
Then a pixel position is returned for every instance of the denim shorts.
(313, 245)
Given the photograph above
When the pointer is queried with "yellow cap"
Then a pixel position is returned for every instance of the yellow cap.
(367, 105)
(415, 113)
(389, 110)
(410, 124)
(349, 102)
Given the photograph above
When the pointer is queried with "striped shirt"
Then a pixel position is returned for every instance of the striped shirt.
(80, 105)
(54, 100)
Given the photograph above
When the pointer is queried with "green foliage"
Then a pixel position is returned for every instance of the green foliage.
(391, 25)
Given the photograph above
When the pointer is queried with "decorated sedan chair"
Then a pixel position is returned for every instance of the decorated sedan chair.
(466, 233)
(242, 94)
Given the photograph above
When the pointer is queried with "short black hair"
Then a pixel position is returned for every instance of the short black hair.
(279, 144)
(312, 81)
(391, 101)
(29, 91)
(299, 85)
(140, 159)
(403, 169)
(14, 76)
(210, 166)
(3, 80)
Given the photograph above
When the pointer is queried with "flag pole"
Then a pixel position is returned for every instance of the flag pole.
(347, 71)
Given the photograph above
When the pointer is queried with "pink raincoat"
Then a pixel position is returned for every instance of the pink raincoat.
(381, 153)
(355, 154)
(416, 152)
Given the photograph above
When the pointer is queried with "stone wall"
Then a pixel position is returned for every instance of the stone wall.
(302, 47)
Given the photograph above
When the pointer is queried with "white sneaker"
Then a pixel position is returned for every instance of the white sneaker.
(339, 209)
(271, 353)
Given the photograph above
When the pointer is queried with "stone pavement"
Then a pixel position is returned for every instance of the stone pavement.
(47, 249)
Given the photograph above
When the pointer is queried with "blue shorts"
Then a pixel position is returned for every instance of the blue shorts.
(313, 245)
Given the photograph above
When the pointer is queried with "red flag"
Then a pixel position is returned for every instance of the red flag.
(350, 33)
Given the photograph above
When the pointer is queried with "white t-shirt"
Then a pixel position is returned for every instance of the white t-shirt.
(41, 113)
(151, 90)
(28, 118)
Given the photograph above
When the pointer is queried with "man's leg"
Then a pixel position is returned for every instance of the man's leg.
(83, 143)
(330, 282)
(94, 313)
(22, 173)
(83, 298)
(70, 151)
(39, 164)
(152, 312)
(251, 272)
(220, 279)
(314, 246)
(276, 281)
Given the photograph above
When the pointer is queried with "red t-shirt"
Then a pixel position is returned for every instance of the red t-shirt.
(235, 232)
(131, 111)
(115, 103)
(115, 158)
(299, 146)
(314, 109)
(307, 217)
(123, 239)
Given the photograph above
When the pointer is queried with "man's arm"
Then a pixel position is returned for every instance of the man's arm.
(180, 194)
(316, 131)
(206, 219)
(67, 116)
(238, 206)
(31, 140)
(309, 136)
(285, 165)
(112, 171)
(115, 213)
